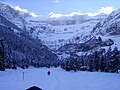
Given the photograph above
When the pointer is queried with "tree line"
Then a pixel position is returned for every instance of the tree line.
(101, 60)
(11, 59)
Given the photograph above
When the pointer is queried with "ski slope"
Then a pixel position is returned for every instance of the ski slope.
(58, 80)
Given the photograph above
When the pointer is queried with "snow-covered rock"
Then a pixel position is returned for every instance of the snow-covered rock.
(109, 25)
(13, 15)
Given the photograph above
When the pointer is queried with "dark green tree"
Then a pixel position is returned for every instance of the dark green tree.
(90, 64)
(96, 61)
(14, 66)
(2, 59)
(102, 64)
(115, 61)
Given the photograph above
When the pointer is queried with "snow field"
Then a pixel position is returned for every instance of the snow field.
(59, 79)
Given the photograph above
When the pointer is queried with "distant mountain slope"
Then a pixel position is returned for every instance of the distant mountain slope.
(54, 32)
(42, 41)
(13, 15)
(109, 28)
(23, 48)
(57, 32)
(109, 25)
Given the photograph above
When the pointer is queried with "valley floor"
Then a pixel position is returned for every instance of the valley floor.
(58, 80)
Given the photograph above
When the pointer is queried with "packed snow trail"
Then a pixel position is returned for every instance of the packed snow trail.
(58, 79)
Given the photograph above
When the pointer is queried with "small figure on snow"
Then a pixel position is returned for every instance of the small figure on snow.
(48, 72)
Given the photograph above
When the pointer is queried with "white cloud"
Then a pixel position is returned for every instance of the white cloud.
(56, 1)
(51, 14)
(33, 14)
(25, 11)
(20, 9)
(105, 10)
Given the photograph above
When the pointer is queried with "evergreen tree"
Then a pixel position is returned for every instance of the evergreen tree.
(67, 67)
(2, 59)
(102, 64)
(115, 60)
(100, 40)
(90, 64)
(96, 61)
(108, 59)
(82, 65)
(8, 58)
(14, 64)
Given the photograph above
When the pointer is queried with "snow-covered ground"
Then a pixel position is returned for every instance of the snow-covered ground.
(58, 80)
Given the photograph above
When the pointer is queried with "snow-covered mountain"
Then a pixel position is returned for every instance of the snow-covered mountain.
(109, 25)
(109, 28)
(20, 47)
(39, 41)
(13, 15)
(58, 31)
(66, 29)
(54, 32)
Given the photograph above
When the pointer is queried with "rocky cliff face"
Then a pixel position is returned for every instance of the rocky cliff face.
(109, 25)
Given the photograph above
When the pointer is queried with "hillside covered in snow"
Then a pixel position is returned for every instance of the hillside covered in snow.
(53, 31)
(53, 41)
(64, 52)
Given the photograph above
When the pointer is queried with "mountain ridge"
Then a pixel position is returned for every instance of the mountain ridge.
(57, 32)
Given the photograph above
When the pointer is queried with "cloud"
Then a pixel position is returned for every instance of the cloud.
(56, 1)
(57, 15)
(51, 14)
(33, 14)
(20, 9)
(105, 10)
(25, 11)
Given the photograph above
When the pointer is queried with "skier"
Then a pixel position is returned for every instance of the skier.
(48, 72)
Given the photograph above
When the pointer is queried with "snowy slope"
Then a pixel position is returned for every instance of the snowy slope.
(58, 80)
(57, 33)
(54, 32)
(109, 28)
(13, 15)
(62, 33)
(110, 25)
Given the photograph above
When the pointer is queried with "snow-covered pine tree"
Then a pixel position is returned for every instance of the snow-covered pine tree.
(2, 59)
(96, 61)
(102, 63)
(115, 60)
(14, 64)
(108, 58)
(91, 63)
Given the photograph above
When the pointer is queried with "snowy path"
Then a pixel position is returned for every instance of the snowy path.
(58, 80)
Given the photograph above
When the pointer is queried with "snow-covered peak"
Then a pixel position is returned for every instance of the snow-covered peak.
(14, 15)
(55, 31)
(4, 7)
(109, 25)
(74, 19)
(116, 12)
(11, 14)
